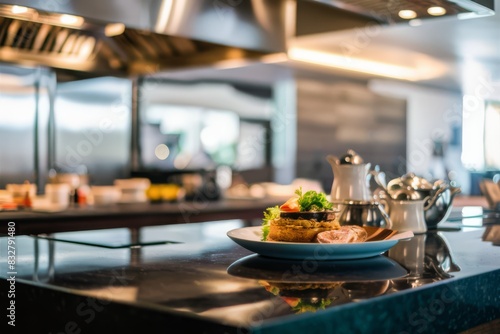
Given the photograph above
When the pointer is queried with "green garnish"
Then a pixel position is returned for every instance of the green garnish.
(312, 305)
(313, 201)
(308, 201)
(269, 214)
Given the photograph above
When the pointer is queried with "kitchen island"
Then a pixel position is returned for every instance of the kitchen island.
(192, 278)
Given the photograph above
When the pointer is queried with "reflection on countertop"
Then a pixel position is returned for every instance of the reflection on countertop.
(492, 234)
(309, 288)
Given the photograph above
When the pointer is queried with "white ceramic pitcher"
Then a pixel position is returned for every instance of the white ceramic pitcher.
(350, 181)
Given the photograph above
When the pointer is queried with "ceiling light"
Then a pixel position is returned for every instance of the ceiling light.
(407, 14)
(18, 12)
(436, 11)
(71, 20)
(114, 29)
(19, 9)
(353, 64)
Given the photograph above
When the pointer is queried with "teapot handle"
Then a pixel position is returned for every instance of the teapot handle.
(379, 178)
(385, 205)
(430, 201)
(384, 211)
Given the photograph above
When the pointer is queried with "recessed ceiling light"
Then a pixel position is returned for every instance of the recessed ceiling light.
(436, 11)
(18, 9)
(385, 61)
(407, 14)
(18, 12)
(71, 20)
(353, 64)
(114, 29)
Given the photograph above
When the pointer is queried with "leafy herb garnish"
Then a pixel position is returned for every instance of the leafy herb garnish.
(269, 214)
(311, 305)
(313, 201)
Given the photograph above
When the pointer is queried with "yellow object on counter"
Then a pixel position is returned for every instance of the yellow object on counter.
(163, 192)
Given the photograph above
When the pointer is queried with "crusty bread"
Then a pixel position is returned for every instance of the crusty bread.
(298, 230)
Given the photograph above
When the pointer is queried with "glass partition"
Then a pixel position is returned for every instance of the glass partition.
(191, 126)
(176, 137)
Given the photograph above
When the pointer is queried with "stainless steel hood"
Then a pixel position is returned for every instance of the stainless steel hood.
(89, 38)
(129, 37)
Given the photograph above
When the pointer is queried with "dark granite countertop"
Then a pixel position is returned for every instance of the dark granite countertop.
(191, 278)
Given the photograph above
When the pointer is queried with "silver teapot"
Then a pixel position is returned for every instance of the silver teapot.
(437, 196)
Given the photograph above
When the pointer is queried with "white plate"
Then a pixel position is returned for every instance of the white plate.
(250, 238)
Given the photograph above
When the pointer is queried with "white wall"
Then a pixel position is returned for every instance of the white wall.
(220, 96)
(431, 115)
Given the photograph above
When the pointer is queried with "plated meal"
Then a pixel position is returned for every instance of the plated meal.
(306, 227)
(308, 217)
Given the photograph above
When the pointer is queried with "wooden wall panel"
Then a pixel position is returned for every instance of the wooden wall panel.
(336, 116)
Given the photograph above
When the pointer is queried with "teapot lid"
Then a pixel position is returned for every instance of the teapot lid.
(416, 182)
(410, 181)
(351, 158)
(407, 194)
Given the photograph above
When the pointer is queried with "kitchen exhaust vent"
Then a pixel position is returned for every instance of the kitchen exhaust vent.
(92, 53)
(129, 37)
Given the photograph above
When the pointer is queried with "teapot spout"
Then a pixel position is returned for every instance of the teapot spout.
(332, 159)
(334, 162)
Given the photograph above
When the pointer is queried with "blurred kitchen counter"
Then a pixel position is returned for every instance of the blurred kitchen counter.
(134, 215)
(137, 215)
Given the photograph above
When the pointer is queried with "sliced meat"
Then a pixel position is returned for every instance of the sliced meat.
(344, 235)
